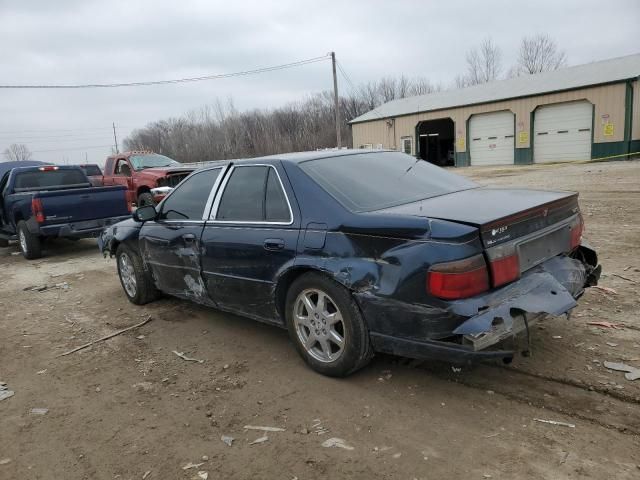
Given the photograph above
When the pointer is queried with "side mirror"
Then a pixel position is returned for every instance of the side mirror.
(145, 213)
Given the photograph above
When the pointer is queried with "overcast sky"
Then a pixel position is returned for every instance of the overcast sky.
(85, 41)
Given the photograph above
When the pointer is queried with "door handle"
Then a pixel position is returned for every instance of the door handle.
(188, 237)
(273, 244)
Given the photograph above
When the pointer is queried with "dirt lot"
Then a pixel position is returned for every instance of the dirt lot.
(129, 406)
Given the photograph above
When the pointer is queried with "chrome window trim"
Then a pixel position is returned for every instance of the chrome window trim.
(216, 203)
(206, 205)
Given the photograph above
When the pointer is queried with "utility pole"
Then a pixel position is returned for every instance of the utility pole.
(115, 139)
(335, 100)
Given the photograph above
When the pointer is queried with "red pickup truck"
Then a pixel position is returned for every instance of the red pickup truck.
(142, 171)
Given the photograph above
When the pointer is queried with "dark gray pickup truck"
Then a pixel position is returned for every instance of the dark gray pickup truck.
(40, 202)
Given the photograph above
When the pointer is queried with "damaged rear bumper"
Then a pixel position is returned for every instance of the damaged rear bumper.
(502, 316)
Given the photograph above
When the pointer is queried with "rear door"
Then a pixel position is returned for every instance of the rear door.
(171, 244)
(250, 238)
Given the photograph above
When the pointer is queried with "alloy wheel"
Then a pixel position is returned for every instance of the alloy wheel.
(127, 274)
(319, 325)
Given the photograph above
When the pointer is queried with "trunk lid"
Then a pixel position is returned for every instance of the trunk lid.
(501, 214)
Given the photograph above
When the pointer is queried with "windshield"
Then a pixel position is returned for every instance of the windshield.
(372, 181)
(140, 162)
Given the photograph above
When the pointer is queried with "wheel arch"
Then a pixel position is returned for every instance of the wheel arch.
(286, 279)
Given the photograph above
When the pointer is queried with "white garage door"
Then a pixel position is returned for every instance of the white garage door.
(491, 138)
(562, 132)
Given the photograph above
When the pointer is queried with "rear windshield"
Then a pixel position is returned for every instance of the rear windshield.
(151, 160)
(91, 170)
(42, 180)
(372, 181)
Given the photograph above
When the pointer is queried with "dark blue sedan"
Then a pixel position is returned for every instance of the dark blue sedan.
(357, 252)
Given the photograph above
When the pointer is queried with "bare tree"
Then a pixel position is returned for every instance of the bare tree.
(17, 152)
(484, 64)
(537, 54)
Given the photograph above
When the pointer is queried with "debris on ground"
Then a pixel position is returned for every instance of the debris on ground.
(456, 369)
(633, 373)
(4, 461)
(554, 422)
(106, 337)
(192, 465)
(42, 288)
(39, 411)
(146, 474)
(260, 440)
(318, 428)
(396, 455)
(611, 344)
(187, 359)
(5, 392)
(605, 289)
(227, 439)
(557, 337)
(616, 326)
(203, 475)
(624, 278)
(336, 442)
(264, 429)
(40, 372)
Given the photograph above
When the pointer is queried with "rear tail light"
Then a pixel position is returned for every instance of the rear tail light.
(129, 205)
(458, 279)
(577, 229)
(37, 210)
(505, 269)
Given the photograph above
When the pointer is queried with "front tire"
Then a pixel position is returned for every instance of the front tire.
(30, 244)
(146, 199)
(136, 282)
(326, 326)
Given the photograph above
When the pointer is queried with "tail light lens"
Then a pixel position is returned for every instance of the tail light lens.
(505, 269)
(576, 232)
(458, 279)
(37, 210)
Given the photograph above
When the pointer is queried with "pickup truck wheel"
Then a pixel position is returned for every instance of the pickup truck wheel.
(136, 281)
(326, 326)
(146, 199)
(30, 244)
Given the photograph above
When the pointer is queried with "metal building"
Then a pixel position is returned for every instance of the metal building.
(575, 113)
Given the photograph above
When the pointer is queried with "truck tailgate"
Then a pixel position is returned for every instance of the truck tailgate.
(83, 204)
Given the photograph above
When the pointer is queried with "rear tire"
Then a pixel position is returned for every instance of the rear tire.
(326, 326)
(136, 282)
(146, 199)
(30, 244)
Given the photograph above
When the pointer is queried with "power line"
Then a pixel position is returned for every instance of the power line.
(180, 80)
(69, 149)
(52, 130)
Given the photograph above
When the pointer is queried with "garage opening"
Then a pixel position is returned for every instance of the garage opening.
(436, 140)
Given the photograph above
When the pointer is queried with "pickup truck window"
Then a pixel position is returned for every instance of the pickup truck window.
(187, 202)
(140, 162)
(91, 170)
(122, 168)
(42, 180)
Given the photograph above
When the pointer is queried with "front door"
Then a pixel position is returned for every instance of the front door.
(171, 246)
(250, 239)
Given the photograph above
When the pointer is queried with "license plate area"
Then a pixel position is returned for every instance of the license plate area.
(539, 249)
(88, 225)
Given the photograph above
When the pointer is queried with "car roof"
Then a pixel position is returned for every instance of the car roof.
(299, 157)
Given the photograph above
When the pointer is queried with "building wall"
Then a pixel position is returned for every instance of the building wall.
(635, 122)
(609, 107)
